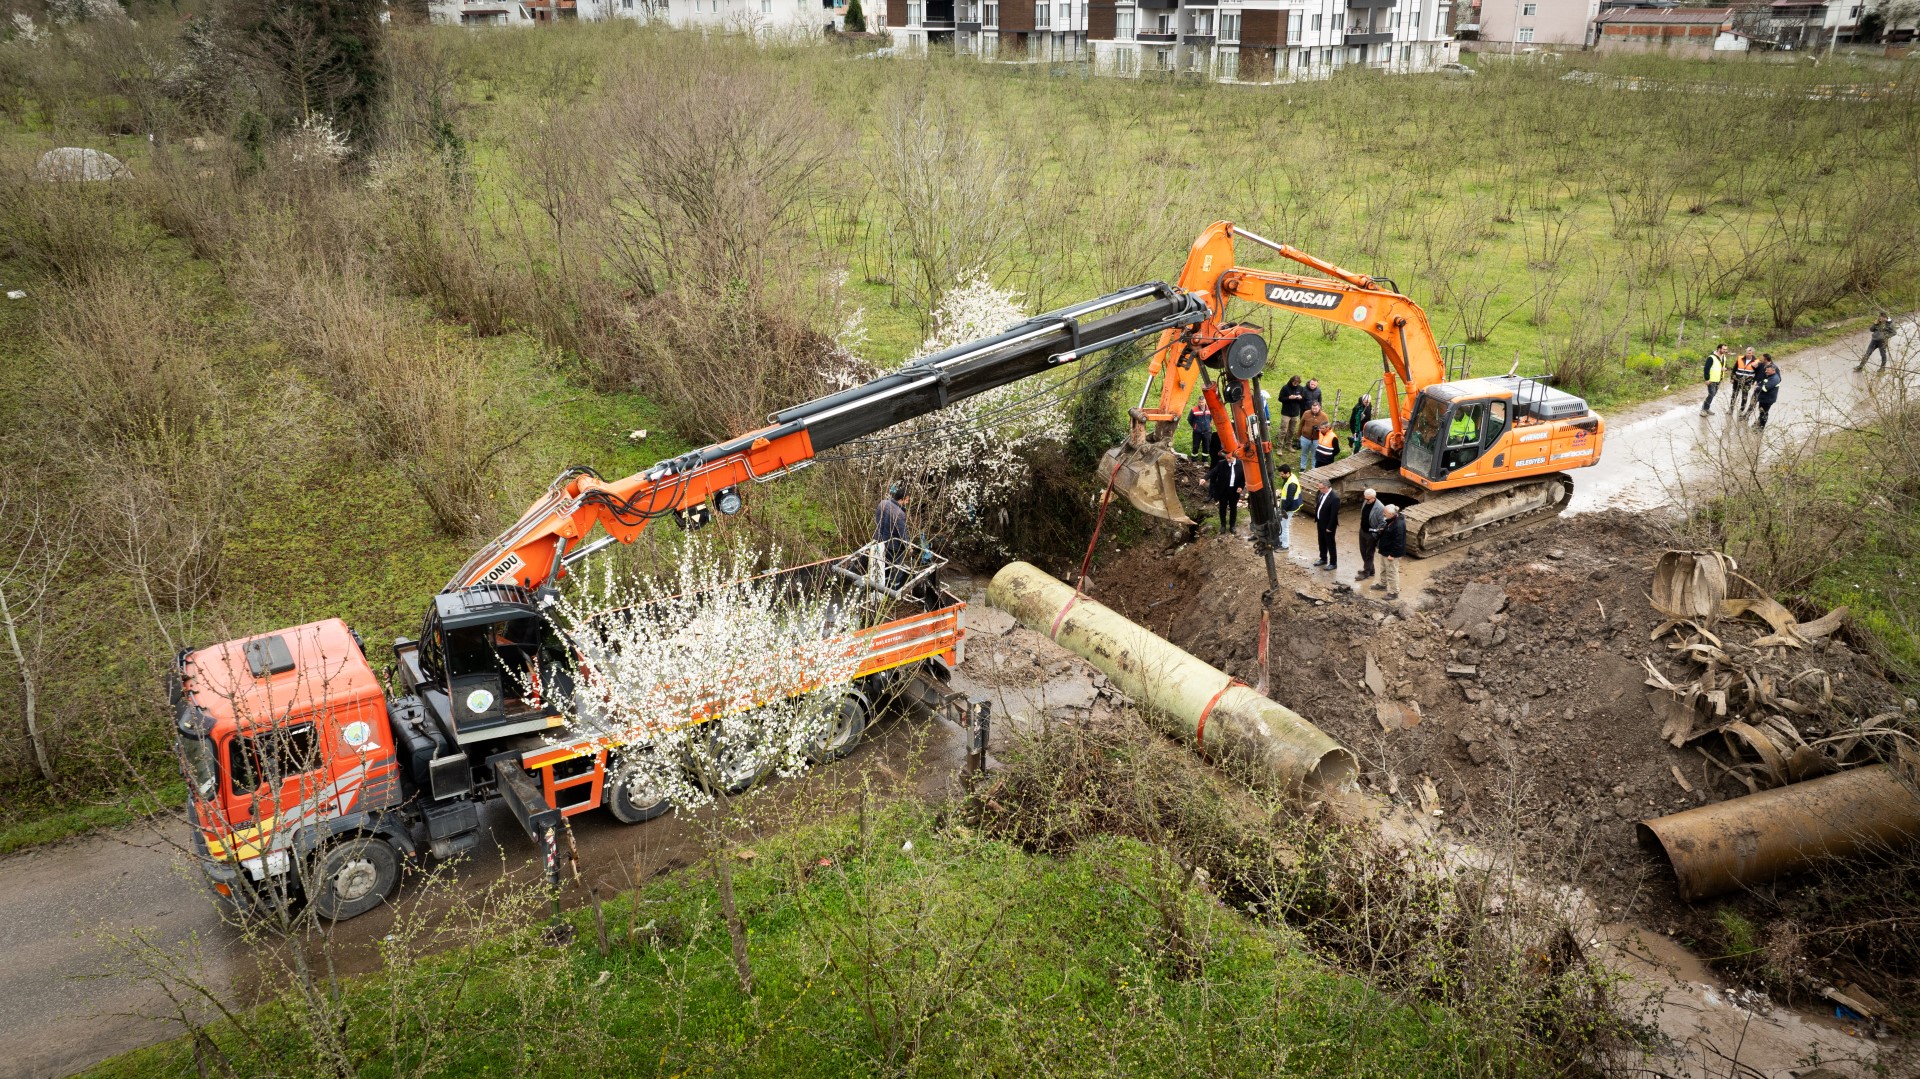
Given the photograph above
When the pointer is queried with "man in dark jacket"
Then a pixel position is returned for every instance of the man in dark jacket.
(1371, 519)
(1766, 388)
(890, 532)
(1878, 338)
(1393, 547)
(1202, 421)
(1293, 401)
(1226, 482)
(1326, 516)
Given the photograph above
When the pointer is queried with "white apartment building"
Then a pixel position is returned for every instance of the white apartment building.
(1237, 40)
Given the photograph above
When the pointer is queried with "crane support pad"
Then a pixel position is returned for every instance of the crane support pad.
(529, 806)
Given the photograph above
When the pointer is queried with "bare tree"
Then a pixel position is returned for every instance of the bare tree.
(35, 543)
(950, 192)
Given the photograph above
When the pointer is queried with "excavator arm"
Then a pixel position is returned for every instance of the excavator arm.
(559, 529)
(1410, 358)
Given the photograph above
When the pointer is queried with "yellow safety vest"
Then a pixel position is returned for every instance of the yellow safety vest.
(1463, 428)
(1713, 368)
(1289, 489)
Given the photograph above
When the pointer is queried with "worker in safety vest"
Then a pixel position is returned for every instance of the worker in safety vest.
(1465, 430)
(1290, 500)
(1326, 446)
(1713, 371)
(1743, 371)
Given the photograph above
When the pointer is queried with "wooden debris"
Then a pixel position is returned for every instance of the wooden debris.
(1681, 779)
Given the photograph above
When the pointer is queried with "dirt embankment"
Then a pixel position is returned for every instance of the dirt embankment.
(1517, 689)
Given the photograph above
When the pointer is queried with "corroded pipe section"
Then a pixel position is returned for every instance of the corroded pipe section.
(1753, 839)
(1224, 719)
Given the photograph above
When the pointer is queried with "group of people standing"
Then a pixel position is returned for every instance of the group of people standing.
(1383, 533)
(1756, 382)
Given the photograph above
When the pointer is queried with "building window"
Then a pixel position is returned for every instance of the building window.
(1295, 19)
(1163, 59)
(913, 13)
(766, 7)
(993, 15)
(1529, 9)
(1202, 22)
(1065, 18)
(1413, 22)
(1230, 26)
(1406, 53)
(1043, 16)
(1525, 33)
(1229, 63)
(1316, 21)
(1123, 25)
(1339, 21)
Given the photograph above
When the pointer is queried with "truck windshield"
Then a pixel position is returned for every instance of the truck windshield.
(1422, 436)
(203, 767)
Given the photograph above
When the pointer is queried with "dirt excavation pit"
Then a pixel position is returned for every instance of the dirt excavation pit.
(1507, 700)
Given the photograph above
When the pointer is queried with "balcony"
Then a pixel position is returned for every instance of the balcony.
(1196, 39)
(1155, 38)
(1363, 37)
(1364, 4)
(1157, 5)
(967, 27)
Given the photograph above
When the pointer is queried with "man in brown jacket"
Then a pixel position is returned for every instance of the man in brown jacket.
(1310, 422)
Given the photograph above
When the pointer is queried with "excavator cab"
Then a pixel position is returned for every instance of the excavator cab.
(1446, 435)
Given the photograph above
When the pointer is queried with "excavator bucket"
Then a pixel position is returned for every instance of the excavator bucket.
(1691, 585)
(1145, 472)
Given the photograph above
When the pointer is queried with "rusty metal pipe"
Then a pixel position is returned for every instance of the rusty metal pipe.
(1753, 839)
(1222, 719)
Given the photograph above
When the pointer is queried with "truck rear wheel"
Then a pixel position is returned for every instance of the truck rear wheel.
(845, 726)
(633, 797)
(352, 877)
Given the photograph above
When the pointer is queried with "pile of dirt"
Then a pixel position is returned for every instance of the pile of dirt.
(1512, 694)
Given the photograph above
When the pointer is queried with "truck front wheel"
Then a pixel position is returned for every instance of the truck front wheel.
(634, 797)
(352, 877)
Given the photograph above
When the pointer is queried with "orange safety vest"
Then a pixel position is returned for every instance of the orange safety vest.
(1325, 437)
(1745, 363)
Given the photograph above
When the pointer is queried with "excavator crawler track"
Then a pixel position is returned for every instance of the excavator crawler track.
(1446, 519)
(1452, 518)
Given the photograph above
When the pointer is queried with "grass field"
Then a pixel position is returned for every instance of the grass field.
(523, 214)
(933, 950)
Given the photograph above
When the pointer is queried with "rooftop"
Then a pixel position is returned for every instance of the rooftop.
(1683, 16)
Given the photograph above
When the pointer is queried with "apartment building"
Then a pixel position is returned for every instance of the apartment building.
(1566, 24)
(1269, 40)
(989, 29)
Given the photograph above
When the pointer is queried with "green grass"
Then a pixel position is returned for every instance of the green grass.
(65, 822)
(1002, 959)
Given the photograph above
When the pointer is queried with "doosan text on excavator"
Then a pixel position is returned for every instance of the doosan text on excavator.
(309, 776)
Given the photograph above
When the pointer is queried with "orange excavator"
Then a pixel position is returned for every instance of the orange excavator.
(1468, 457)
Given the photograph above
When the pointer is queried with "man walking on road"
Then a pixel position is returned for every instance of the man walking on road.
(1767, 387)
(1326, 518)
(1372, 518)
(1712, 372)
(1393, 547)
(1878, 337)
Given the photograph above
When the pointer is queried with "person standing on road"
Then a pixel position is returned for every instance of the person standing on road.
(1289, 505)
(1393, 547)
(1767, 387)
(1310, 422)
(1879, 336)
(1201, 420)
(1226, 482)
(1293, 401)
(1326, 519)
(1357, 421)
(1372, 517)
(1743, 372)
(1713, 370)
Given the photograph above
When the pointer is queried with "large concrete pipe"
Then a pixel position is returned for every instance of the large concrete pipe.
(1225, 719)
(1753, 839)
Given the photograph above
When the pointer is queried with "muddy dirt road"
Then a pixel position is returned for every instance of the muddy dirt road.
(64, 1005)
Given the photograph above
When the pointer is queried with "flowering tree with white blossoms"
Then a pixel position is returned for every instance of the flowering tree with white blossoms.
(709, 679)
(973, 452)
